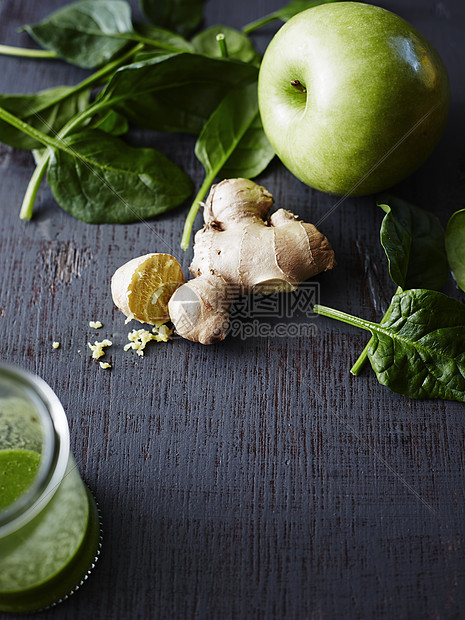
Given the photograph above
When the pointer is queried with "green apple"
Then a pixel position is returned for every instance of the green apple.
(352, 98)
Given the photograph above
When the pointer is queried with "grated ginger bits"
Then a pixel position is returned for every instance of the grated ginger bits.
(140, 337)
(98, 348)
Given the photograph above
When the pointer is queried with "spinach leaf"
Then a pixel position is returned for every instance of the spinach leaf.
(85, 33)
(285, 13)
(238, 44)
(233, 125)
(226, 128)
(413, 240)
(455, 246)
(47, 111)
(157, 36)
(100, 179)
(174, 92)
(50, 110)
(181, 16)
(252, 154)
(420, 350)
(111, 122)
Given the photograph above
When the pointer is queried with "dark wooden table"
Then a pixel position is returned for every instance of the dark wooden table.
(256, 478)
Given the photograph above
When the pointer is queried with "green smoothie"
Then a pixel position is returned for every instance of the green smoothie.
(18, 468)
(45, 560)
(49, 543)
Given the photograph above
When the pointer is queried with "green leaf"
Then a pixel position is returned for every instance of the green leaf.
(181, 16)
(111, 122)
(47, 111)
(285, 13)
(159, 36)
(232, 132)
(455, 246)
(85, 33)
(420, 350)
(226, 128)
(252, 154)
(413, 240)
(174, 92)
(107, 181)
(238, 44)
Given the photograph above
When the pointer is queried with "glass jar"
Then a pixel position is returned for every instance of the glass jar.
(49, 523)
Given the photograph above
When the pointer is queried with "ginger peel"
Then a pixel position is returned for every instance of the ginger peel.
(238, 252)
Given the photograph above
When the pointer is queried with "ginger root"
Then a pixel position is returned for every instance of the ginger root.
(238, 252)
(142, 287)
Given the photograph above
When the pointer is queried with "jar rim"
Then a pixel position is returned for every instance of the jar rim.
(55, 452)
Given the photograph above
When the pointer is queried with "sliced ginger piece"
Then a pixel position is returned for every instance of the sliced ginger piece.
(142, 287)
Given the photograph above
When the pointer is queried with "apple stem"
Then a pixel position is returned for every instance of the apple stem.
(298, 86)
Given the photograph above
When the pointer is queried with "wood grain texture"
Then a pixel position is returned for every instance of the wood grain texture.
(255, 478)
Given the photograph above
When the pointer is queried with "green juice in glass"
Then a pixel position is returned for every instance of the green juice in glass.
(18, 469)
(49, 526)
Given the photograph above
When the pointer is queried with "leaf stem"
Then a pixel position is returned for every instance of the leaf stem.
(109, 68)
(10, 50)
(133, 36)
(33, 187)
(190, 219)
(340, 316)
(93, 80)
(96, 78)
(28, 129)
(220, 38)
(360, 363)
(82, 116)
(258, 23)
